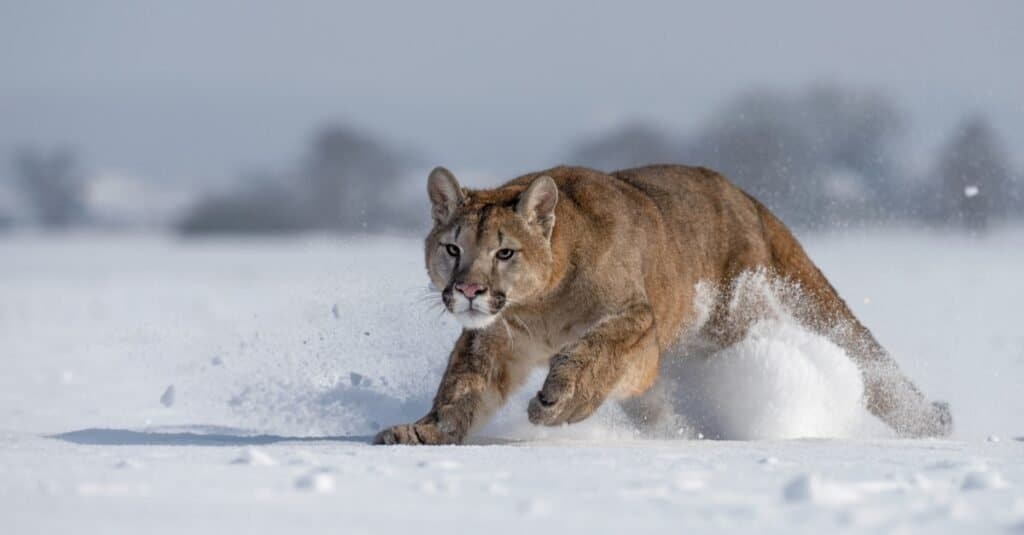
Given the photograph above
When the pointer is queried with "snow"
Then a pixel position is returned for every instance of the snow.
(157, 385)
(255, 457)
(316, 481)
(794, 384)
(812, 488)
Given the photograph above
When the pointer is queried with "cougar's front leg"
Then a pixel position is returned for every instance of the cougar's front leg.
(475, 383)
(584, 373)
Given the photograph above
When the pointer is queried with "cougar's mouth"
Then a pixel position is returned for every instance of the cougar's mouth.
(473, 313)
(475, 319)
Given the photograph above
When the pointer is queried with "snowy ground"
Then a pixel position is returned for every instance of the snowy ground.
(152, 385)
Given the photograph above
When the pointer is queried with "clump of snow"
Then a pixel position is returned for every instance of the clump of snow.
(254, 457)
(812, 488)
(982, 479)
(319, 481)
(780, 381)
(971, 191)
(816, 489)
(129, 464)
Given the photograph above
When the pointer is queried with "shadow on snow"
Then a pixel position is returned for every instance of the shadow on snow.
(188, 436)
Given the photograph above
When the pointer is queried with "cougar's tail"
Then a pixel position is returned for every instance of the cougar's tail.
(889, 394)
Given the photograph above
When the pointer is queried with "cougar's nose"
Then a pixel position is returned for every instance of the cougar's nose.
(470, 289)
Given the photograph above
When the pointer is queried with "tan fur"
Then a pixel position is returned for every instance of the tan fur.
(603, 282)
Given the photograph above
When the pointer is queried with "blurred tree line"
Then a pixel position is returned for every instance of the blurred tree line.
(823, 157)
(830, 156)
(52, 186)
(348, 182)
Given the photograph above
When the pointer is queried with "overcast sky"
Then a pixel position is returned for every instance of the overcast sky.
(202, 89)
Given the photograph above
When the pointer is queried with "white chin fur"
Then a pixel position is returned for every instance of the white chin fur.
(472, 319)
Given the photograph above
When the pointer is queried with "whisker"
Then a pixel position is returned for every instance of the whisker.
(420, 289)
(523, 324)
(511, 339)
(430, 305)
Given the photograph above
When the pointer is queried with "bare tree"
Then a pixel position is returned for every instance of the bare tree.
(264, 206)
(816, 157)
(349, 178)
(629, 145)
(348, 181)
(51, 183)
(759, 143)
(974, 175)
(859, 131)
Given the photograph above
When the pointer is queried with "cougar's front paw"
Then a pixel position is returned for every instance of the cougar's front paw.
(412, 434)
(553, 404)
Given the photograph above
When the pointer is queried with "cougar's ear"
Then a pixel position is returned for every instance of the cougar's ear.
(537, 203)
(445, 194)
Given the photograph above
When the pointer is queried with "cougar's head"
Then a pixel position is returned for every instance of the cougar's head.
(489, 249)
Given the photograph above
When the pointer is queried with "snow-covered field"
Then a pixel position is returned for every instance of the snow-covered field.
(152, 385)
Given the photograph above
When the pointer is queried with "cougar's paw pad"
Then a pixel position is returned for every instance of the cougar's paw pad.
(551, 406)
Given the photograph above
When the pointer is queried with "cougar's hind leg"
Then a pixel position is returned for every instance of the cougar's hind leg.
(741, 299)
(888, 393)
(894, 399)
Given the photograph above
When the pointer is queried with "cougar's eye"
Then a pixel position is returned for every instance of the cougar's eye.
(504, 254)
(452, 249)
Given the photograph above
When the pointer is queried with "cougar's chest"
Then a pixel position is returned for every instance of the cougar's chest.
(538, 338)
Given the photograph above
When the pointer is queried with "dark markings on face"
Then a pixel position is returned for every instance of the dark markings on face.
(497, 301)
(485, 212)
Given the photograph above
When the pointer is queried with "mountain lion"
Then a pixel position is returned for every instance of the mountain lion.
(595, 275)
